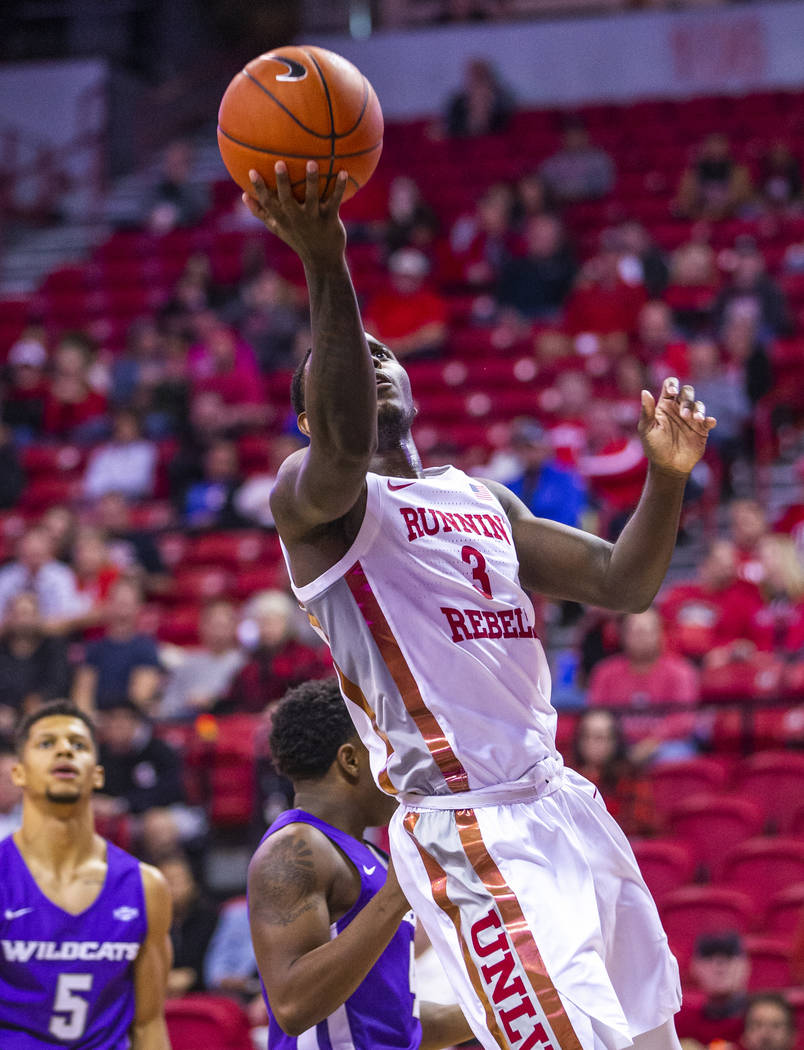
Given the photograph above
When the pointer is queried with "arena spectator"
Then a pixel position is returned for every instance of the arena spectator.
(270, 316)
(532, 198)
(714, 186)
(780, 183)
(12, 476)
(723, 392)
(225, 365)
(692, 287)
(25, 389)
(747, 354)
(482, 242)
(600, 753)
(34, 569)
(717, 608)
(127, 463)
(567, 429)
(536, 284)
(135, 371)
(748, 523)
(279, 659)
(548, 488)
(73, 409)
(204, 425)
(791, 520)
(252, 499)
(175, 200)
(720, 968)
(194, 920)
(753, 293)
(133, 551)
(770, 1023)
(645, 675)
(206, 674)
(163, 396)
(641, 259)
(229, 964)
(60, 522)
(124, 664)
(95, 575)
(409, 316)
(629, 378)
(613, 464)
(778, 625)
(411, 222)
(602, 303)
(10, 794)
(209, 502)
(33, 666)
(579, 170)
(482, 107)
(658, 345)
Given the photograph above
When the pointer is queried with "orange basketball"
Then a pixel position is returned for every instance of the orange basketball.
(297, 104)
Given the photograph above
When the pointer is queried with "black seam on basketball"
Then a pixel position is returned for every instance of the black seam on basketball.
(331, 122)
(296, 156)
(354, 127)
(293, 117)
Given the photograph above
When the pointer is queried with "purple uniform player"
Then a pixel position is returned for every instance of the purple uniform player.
(84, 949)
(332, 932)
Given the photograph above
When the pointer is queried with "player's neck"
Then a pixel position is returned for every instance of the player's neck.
(399, 460)
(333, 809)
(56, 837)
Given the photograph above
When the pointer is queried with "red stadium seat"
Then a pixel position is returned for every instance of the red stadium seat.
(200, 585)
(754, 679)
(664, 865)
(770, 963)
(676, 781)
(774, 780)
(249, 581)
(42, 492)
(209, 1021)
(784, 912)
(692, 910)
(52, 459)
(179, 625)
(225, 549)
(223, 760)
(711, 825)
(762, 866)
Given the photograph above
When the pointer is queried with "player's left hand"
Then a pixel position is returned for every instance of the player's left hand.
(674, 428)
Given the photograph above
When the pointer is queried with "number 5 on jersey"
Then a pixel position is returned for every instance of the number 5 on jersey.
(73, 1006)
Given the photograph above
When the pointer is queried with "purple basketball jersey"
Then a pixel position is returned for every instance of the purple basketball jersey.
(381, 1014)
(66, 980)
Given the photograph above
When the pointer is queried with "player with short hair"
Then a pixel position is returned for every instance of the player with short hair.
(418, 580)
(84, 945)
(331, 929)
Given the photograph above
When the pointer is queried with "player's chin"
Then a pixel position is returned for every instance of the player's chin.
(65, 794)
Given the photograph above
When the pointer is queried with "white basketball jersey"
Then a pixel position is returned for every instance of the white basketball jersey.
(433, 638)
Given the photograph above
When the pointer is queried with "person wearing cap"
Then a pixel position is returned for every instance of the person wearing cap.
(548, 488)
(25, 388)
(407, 315)
(720, 969)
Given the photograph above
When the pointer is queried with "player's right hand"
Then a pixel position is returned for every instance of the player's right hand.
(393, 891)
(313, 228)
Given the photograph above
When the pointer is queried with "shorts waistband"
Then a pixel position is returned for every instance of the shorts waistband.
(546, 779)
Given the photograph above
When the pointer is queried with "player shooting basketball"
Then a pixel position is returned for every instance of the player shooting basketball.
(84, 946)
(527, 888)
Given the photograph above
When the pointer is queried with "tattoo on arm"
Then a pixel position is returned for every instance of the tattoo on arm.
(283, 883)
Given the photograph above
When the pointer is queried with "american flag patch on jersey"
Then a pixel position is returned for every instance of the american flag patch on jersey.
(481, 491)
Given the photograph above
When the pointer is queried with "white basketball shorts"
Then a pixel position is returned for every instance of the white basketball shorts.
(536, 907)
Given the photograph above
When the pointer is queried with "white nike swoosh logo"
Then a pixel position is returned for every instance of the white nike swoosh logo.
(369, 871)
(20, 911)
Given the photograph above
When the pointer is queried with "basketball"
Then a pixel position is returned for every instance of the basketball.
(298, 104)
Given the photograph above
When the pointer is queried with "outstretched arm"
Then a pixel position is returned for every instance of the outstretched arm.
(565, 563)
(325, 481)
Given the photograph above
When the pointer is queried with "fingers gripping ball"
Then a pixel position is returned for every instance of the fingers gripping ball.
(297, 104)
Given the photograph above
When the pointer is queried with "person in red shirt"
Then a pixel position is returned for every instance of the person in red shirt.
(720, 968)
(73, 410)
(572, 392)
(645, 676)
(95, 575)
(600, 753)
(223, 364)
(613, 464)
(703, 615)
(482, 242)
(279, 660)
(602, 302)
(748, 524)
(409, 317)
(657, 345)
(778, 625)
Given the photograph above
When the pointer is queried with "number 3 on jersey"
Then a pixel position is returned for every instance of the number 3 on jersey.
(70, 1010)
(477, 562)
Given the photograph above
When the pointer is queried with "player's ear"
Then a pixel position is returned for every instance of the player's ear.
(98, 778)
(18, 774)
(301, 422)
(348, 759)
